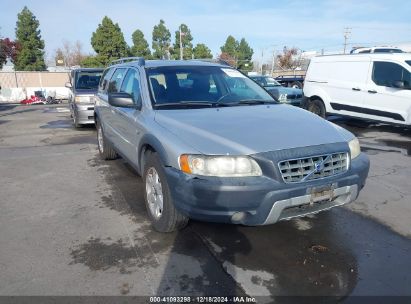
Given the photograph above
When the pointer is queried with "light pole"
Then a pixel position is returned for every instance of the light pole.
(262, 54)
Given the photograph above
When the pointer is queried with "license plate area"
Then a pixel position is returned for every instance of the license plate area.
(321, 193)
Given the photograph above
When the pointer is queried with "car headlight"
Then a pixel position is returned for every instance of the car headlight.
(84, 99)
(355, 149)
(221, 166)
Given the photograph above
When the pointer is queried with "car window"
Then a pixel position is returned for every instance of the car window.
(271, 81)
(116, 80)
(202, 84)
(387, 73)
(104, 80)
(131, 85)
(87, 80)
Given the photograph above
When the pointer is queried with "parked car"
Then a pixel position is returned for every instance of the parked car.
(213, 145)
(83, 87)
(291, 96)
(367, 86)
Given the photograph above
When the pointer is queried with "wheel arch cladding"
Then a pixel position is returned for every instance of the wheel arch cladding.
(147, 143)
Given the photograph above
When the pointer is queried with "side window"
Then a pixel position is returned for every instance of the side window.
(104, 80)
(387, 73)
(116, 80)
(131, 85)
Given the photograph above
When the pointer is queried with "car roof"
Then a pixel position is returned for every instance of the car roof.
(175, 63)
(87, 69)
(369, 56)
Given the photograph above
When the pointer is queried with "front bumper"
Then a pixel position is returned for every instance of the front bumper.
(84, 113)
(260, 200)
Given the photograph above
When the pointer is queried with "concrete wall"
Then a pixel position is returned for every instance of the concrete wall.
(16, 86)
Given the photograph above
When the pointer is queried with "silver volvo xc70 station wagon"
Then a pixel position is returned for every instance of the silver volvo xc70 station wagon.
(212, 145)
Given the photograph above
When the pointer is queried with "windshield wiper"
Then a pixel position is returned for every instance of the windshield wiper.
(185, 104)
(249, 102)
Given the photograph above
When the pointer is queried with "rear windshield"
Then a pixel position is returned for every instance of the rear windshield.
(87, 80)
(202, 84)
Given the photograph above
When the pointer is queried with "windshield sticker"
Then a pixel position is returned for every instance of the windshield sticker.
(233, 73)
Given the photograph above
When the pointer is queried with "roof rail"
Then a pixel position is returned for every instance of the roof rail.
(220, 61)
(140, 60)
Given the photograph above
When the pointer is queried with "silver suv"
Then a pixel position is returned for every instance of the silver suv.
(212, 145)
(83, 86)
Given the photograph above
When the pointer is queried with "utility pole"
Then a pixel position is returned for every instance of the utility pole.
(262, 60)
(273, 63)
(347, 32)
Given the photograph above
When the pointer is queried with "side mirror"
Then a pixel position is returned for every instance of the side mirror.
(399, 84)
(68, 85)
(123, 100)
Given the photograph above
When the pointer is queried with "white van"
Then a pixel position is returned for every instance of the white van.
(369, 86)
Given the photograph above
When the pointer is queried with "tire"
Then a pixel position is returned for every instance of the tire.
(316, 106)
(160, 207)
(106, 151)
(76, 124)
(296, 85)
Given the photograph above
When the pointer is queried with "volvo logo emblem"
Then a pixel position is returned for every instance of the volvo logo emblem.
(319, 166)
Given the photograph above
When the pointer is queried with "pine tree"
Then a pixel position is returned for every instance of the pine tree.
(140, 45)
(244, 53)
(230, 47)
(108, 42)
(186, 40)
(161, 41)
(201, 51)
(31, 54)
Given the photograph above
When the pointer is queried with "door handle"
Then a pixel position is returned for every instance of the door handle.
(372, 91)
(356, 89)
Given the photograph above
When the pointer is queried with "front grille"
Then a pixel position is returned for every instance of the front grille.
(310, 168)
(294, 96)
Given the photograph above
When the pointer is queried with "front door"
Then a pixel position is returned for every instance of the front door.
(385, 100)
(127, 119)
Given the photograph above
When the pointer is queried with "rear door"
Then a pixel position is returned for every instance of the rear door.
(384, 101)
(102, 107)
(347, 85)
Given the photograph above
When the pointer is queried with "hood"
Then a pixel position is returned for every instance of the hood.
(85, 91)
(247, 130)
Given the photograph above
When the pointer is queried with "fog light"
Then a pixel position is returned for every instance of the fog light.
(238, 216)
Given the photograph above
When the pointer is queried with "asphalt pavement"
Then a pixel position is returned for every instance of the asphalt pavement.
(72, 224)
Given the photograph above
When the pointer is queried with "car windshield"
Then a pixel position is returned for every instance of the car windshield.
(87, 80)
(203, 86)
(271, 82)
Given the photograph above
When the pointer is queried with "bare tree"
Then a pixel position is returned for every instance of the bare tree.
(71, 53)
(287, 60)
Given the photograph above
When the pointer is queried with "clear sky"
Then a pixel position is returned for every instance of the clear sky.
(265, 24)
